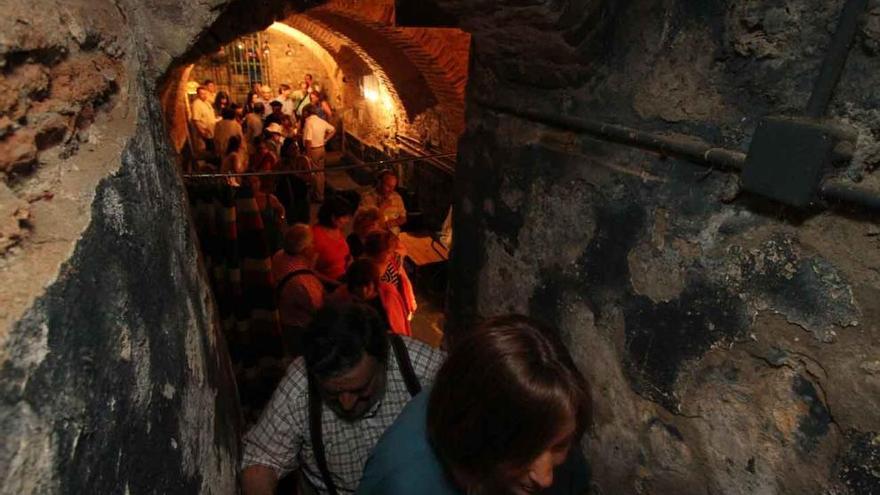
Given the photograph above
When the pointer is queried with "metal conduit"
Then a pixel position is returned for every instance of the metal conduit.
(686, 148)
(835, 58)
(838, 191)
(698, 152)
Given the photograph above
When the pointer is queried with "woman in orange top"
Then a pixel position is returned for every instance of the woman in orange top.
(362, 284)
(329, 239)
(383, 249)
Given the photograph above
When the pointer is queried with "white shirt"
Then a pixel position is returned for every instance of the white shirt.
(281, 439)
(287, 105)
(315, 131)
(203, 118)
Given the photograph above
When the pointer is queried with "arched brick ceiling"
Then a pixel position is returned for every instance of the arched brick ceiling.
(361, 46)
(408, 81)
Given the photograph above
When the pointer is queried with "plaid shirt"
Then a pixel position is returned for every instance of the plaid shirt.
(281, 439)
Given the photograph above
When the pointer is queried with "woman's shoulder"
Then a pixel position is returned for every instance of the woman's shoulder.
(403, 458)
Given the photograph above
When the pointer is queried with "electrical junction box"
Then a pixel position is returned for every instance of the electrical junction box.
(787, 159)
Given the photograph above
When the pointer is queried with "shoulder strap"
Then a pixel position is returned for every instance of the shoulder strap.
(316, 433)
(315, 407)
(287, 278)
(405, 364)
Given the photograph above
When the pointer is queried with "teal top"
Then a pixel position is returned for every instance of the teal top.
(403, 461)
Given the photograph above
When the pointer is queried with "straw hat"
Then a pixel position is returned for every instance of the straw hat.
(275, 128)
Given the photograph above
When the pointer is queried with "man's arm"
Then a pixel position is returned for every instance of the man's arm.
(200, 120)
(307, 135)
(330, 132)
(201, 128)
(271, 448)
(258, 480)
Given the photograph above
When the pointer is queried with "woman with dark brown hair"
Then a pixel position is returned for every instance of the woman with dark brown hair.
(505, 416)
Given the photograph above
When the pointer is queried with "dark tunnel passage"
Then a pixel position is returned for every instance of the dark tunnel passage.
(686, 191)
(393, 97)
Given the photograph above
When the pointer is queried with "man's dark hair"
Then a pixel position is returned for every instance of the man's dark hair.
(332, 208)
(283, 87)
(501, 395)
(308, 111)
(361, 273)
(228, 113)
(276, 103)
(207, 82)
(340, 335)
(259, 107)
(386, 173)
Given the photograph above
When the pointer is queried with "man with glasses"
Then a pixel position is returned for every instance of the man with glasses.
(334, 403)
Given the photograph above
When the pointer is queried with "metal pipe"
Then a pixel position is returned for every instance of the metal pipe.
(838, 191)
(700, 153)
(835, 58)
(696, 150)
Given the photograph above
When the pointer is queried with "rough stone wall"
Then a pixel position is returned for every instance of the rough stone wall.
(289, 62)
(113, 377)
(733, 344)
(291, 69)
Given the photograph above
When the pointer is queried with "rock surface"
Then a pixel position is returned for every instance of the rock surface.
(113, 375)
(731, 342)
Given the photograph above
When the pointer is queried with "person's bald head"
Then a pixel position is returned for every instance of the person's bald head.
(298, 240)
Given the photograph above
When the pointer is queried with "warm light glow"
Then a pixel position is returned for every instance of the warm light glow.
(387, 102)
(311, 45)
(372, 88)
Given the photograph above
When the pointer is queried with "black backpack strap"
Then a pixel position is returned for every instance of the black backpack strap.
(316, 407)
(315, 430)
(405, 364)
(286, 278)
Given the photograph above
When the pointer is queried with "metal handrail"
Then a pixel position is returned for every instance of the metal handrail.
(218, 175)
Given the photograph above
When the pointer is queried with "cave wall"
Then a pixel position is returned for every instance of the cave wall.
(113, 374)
(733, 343)
(291, 69)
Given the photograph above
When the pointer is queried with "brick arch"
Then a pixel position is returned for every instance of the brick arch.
(332, 68)
(349, 55)
(422, 85)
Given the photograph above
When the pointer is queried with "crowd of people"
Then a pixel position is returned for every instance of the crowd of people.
(370, 412)
(320, 264)
(269, 131)
(362, 407)
(315, 263)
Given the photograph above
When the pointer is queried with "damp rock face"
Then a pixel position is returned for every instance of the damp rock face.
(113, 375)
(732, 343)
